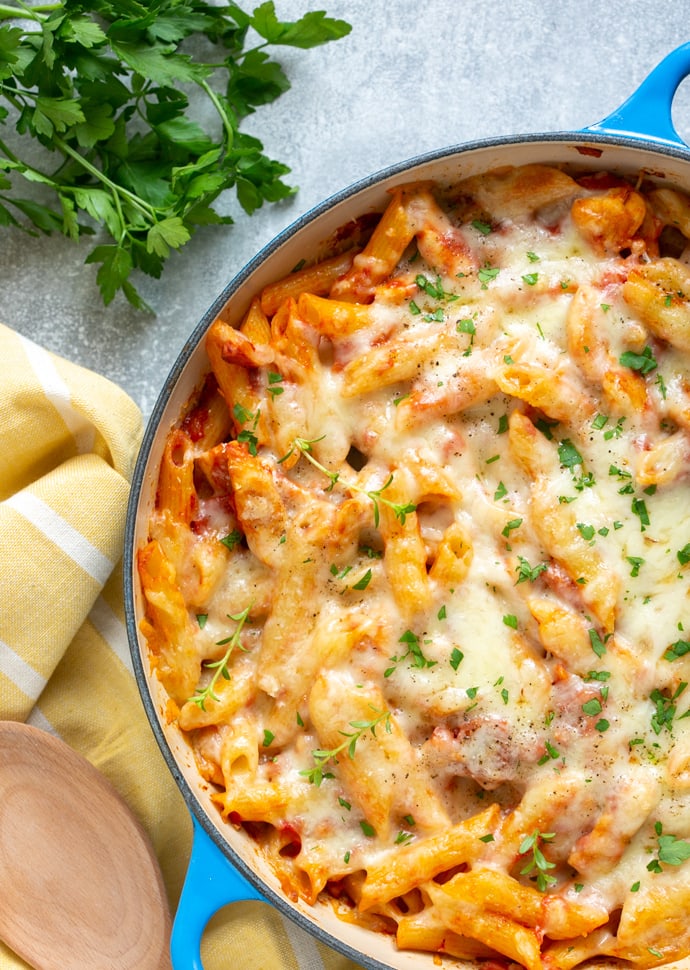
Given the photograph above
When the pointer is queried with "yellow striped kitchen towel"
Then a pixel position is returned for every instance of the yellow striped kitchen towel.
(68, 442)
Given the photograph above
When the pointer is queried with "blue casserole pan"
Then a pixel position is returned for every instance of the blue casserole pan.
(225, 866)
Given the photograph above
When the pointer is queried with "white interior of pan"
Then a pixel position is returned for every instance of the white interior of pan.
(305, 239)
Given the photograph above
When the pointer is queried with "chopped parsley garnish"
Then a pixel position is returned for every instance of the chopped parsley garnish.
(671, 851)
(544, 425)
(639, 508)
(321, 757)
(247, 435)
(220, 667)
(600, 675)
(487, 274)
(273, 380)
(568, 454)
(598, 645)
(537, 866)
(527, 573)
(665, 708)
(592, 707)
(552, 754)
(467, 326)
(437, 316)
(403, 837)
(364, 581)
(636, 562)
(510, 526)
(250, 439)
(339, 573)
(414, 651)
(677, 649)
(616, 431)
(643, 363)
(434, 289)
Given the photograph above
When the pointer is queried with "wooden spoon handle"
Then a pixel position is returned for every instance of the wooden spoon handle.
(80, 886)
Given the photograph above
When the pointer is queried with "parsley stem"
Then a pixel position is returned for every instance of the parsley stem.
(227, 125)
(9, 154)
(401, 510)
(136, 201)
(220, 667)
(9, 93)
(23, 11)
(305, 448)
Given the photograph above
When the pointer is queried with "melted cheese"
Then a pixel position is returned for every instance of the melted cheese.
(577, 730)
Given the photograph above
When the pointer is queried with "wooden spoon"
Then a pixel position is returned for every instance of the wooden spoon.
(80, 887)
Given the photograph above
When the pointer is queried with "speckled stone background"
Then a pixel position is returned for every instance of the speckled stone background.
(411, 77)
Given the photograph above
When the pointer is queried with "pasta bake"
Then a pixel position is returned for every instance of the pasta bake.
(417, 577)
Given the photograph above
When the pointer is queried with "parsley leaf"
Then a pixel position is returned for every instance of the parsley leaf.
(487, 274)
(644, 362)
(321, 756)
(568, 454)
(537, 866)
(527, 573)
(220, 667)
(415, 654)
(665, 708)
(677, 649)
(672, 851)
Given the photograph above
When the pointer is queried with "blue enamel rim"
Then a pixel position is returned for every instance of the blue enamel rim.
(215, 867)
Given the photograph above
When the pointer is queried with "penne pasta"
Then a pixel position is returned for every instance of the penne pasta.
(415, 578)
(317, 279)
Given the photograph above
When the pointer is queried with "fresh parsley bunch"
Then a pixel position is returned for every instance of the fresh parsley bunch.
(118, 93)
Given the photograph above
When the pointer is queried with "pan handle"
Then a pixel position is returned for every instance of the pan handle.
(647, 112)
(211, 882)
